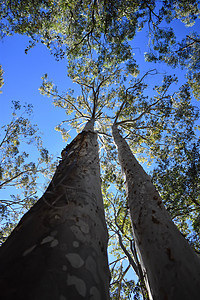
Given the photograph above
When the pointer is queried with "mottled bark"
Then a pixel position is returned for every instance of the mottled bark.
(170, 266)
(58, 251)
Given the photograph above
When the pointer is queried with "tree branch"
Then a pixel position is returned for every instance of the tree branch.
(131, 261)
(129, 88)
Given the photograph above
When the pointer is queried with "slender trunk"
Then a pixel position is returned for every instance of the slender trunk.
(171, 267)
(58, 251)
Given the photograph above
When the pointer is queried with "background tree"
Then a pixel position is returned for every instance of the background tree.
(177, 179)
(17, 172)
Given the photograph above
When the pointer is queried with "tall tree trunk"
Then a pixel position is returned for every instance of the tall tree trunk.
(171, 267)
(58, 251)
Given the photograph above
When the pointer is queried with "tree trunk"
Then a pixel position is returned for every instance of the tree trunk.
(170, 266)
(58, 251)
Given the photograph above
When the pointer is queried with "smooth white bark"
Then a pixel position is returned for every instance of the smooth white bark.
(171, 267)
(58, 251)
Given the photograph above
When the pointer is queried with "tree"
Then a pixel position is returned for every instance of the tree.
(16, 169)
(171, 268)
(59, 248)
(163, 116)
(178, 183)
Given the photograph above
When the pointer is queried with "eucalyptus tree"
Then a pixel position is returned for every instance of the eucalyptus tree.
(148, 215)
(17, 171)
(59, 248)
(170, 266)
(140, 132)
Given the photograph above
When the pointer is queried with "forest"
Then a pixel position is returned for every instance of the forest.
(118, 213)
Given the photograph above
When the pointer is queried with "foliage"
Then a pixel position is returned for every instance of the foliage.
(16, 170)
(73, 27)
(93, 80)
(65, 26)
(184, 53)
(77, 27)
(178, 182)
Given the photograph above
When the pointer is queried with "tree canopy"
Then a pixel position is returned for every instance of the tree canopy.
(18, 174)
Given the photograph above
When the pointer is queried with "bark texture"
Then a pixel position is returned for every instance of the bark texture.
(170, 266)
(58, 251)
